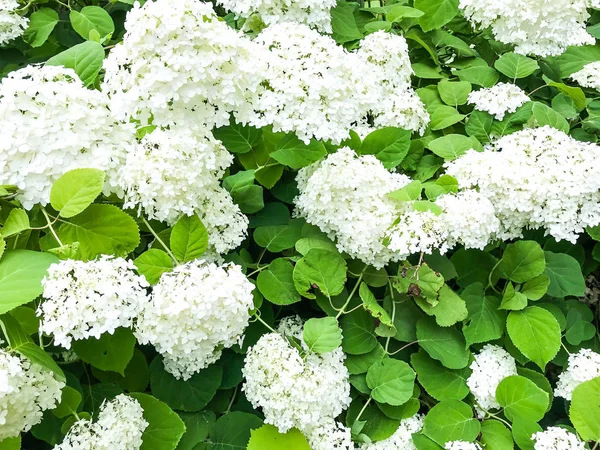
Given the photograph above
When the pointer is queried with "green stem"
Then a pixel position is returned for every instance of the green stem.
(490, 284)
(51, 227)
(363, 409)
(160, 241)
(387, 341)
(257, 315)
(351, 293)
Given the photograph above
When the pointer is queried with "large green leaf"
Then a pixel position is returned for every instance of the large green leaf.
(523, 261)
(152, 264)
(322, 335)
(276, 283)
(21, 274)
(165, 428)
(516, 66)
(73, 192)
(85, 59)
(358, 331)
(436, 12)
(565, 275)
(389, 145)
(189, 239)
(446, 345)
(294, 153)
(325, 269)
(110, 352)
(233, 430)
(485, 321)
(268, 437)
(451, 420)
(440, 382)
(585, 409)
(391, 381)
(521, 399)
(92, 19)
(41, 24)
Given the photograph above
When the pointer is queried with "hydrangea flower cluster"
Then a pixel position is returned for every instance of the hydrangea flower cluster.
(402, 438)
(330, 435)
(314, 13)
(492, 364)
(180, 65)
(415, 232)
(536, 178)
(345, 196)
(175, 172)
(51, 123)
(305, 393)
(87, 299)
(498, 100)
(26, 391)
(535, 27)
(194, 312)
(589, 76)
(462, 445)
(12, 24)
(120, 425)
(583, 366)
(557, 438)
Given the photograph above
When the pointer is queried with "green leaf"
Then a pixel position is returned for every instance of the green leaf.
(436, 12)
(392, 381)
(69, 402)
(343, 23)
(325, 269)
(21, 274)
(446, 345)
(389, 145)
(445, 116)
(92, 18)
(536, 288)
(440, 382)
(521, 399)
(536, 333)
(85, 59)
(512, 299)
(74, 191)
(522, 431)
(294, 153)
(41, 24)
(165, 428)
(233, 430)
(101, 230)
(197, 428)
(452, 146)
(454, 93)
(238, 138)
(522, 261)
(111, 352)
(277, 283)
(480, 75)
(280, 237)
(411, 191)
(268, 437)
(152, 264)
(373, 307)
(544, 115)
(189, 395)
(479, 126)
(445, 184)
(516, 66)
(485, 322)
(322, 335)
(16, 222)
(358, 331)
(13, 443)
(473, 266)
(495, 436)
(189, 239)
(585, 410)
(448, 310)
(358, 364)
(574, 58)
(451, 420)
(565, 275)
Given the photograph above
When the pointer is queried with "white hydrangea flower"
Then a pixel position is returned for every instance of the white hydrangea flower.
(314, 13)
(120, 425)
(462, 445)
(393, 102)
(594, 4)
(175, 172)
(416, 232)
(557, 438)
(492, 364)
(469, 219)
(305, 393)
(313, 86)
(536, 178)
(401, 439)
(195, 312)
(538, 27)
(589, 76)
(26, 391)
(583, 366)
(179, 64)
(87, 299)
(345, 196)
(12, 25)
(52, 124)
(499, 99)
(330, 435)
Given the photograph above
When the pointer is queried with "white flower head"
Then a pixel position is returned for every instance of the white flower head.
(583, 366)
(179, 64)
(87, 299)
(12, 25)
(402, 437)
(589, 76)
(538, 27)
(313, 13)
(536, 178)
(330, 435)
(557, 438)
(120, 425)
(26, 391)
(52, 124)
(492, 364)
(305, 393)
(195, 312)
(499, 99)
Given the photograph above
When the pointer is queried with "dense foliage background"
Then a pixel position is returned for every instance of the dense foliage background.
(409, 330)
